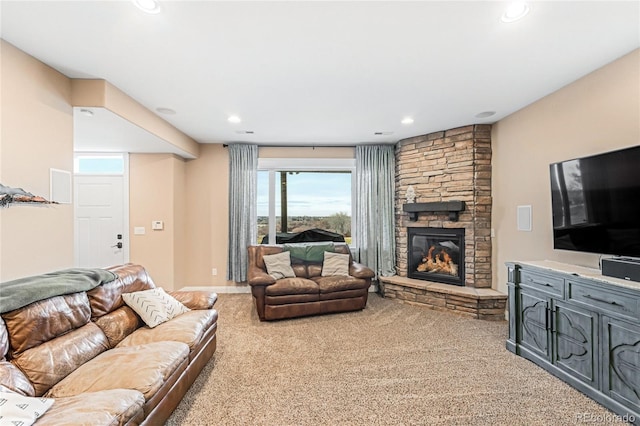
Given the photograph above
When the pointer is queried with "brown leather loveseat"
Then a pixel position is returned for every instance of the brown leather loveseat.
(97, 359)
(309, 292)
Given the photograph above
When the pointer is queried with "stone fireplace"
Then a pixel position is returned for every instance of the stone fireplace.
(450, 174)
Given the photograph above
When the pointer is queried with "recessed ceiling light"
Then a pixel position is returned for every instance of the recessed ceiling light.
(148, 6)
(163, 110)
(87, 112)
(234, 119)
(407, 120)
(485, 114)
(515, 11)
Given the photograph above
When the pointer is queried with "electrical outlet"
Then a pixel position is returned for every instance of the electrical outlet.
(214, 271)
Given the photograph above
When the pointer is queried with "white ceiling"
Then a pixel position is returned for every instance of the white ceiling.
(324, 73)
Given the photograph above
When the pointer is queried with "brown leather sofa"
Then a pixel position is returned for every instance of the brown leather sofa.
(308, 293)
(95, 357)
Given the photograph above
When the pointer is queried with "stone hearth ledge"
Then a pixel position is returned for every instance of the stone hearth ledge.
(480, 303)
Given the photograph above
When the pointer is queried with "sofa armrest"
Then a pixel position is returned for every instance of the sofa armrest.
(195, 299)
(358, 270)
(258, 277)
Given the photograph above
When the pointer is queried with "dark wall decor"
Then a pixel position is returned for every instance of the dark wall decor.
(10, 195)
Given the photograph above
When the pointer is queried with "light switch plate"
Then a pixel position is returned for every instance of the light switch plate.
(139, 230)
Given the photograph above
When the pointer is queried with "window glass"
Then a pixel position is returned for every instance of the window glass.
(306, 200)
(263, 205)
(99, 164)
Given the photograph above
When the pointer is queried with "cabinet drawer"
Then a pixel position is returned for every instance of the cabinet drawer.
(542, 282)
(604, 299)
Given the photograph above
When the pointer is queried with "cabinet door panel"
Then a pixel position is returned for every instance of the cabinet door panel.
(575, 342)
(533, 323)
(621, 358)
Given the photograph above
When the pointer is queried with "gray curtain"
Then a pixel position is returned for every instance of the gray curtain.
(243, 181)
(375, 216)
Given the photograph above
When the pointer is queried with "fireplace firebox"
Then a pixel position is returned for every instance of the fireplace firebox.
(436, 254)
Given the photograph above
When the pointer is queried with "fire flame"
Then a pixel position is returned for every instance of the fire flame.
(440, 263)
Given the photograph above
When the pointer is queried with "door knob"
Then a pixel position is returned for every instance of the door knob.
(119, 245)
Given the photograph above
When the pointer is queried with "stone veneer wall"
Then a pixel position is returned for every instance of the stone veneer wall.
(446, 166)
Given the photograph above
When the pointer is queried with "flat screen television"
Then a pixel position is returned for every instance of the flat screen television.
(596, 203)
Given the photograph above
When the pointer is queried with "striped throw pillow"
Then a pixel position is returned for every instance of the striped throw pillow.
(154, 306)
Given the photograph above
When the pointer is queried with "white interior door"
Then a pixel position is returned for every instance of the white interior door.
(100, 234)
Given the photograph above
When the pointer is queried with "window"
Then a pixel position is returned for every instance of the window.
(295, 195)
(97, 164)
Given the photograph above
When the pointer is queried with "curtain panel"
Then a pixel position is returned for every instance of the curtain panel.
(375, 216)
(243, 182)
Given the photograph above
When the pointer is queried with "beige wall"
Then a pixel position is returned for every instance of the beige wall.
(598, 113)
(207, 217)
(306, 152)
(180, 242)
(156, 187)
(36, 135)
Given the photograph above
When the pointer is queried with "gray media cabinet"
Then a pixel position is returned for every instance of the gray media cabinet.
(581, 327)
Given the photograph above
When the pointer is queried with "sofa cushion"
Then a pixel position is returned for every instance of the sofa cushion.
(187, 328)
(106, 297)
(46, 319)
(119, 324)
(109, 407)
(279, 265)
(340, 283)
(335, 264)
(48, 363)
(13, 379)
(288, 286)
(21, 410)
(314, 270)
(154, 306)
(142, 367)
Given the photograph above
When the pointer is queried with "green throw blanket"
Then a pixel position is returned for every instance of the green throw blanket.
(23, 291)
(309, 252)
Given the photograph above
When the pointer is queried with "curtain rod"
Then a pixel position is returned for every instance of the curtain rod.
(226, 145)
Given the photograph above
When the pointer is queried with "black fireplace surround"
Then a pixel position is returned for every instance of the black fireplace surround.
(436, 254)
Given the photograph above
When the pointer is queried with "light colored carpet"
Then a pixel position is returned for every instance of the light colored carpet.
(390, 364)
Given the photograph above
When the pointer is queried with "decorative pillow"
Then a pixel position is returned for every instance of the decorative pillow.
(154, 306)
(279, 265)
(16, 409)
(335, 264)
